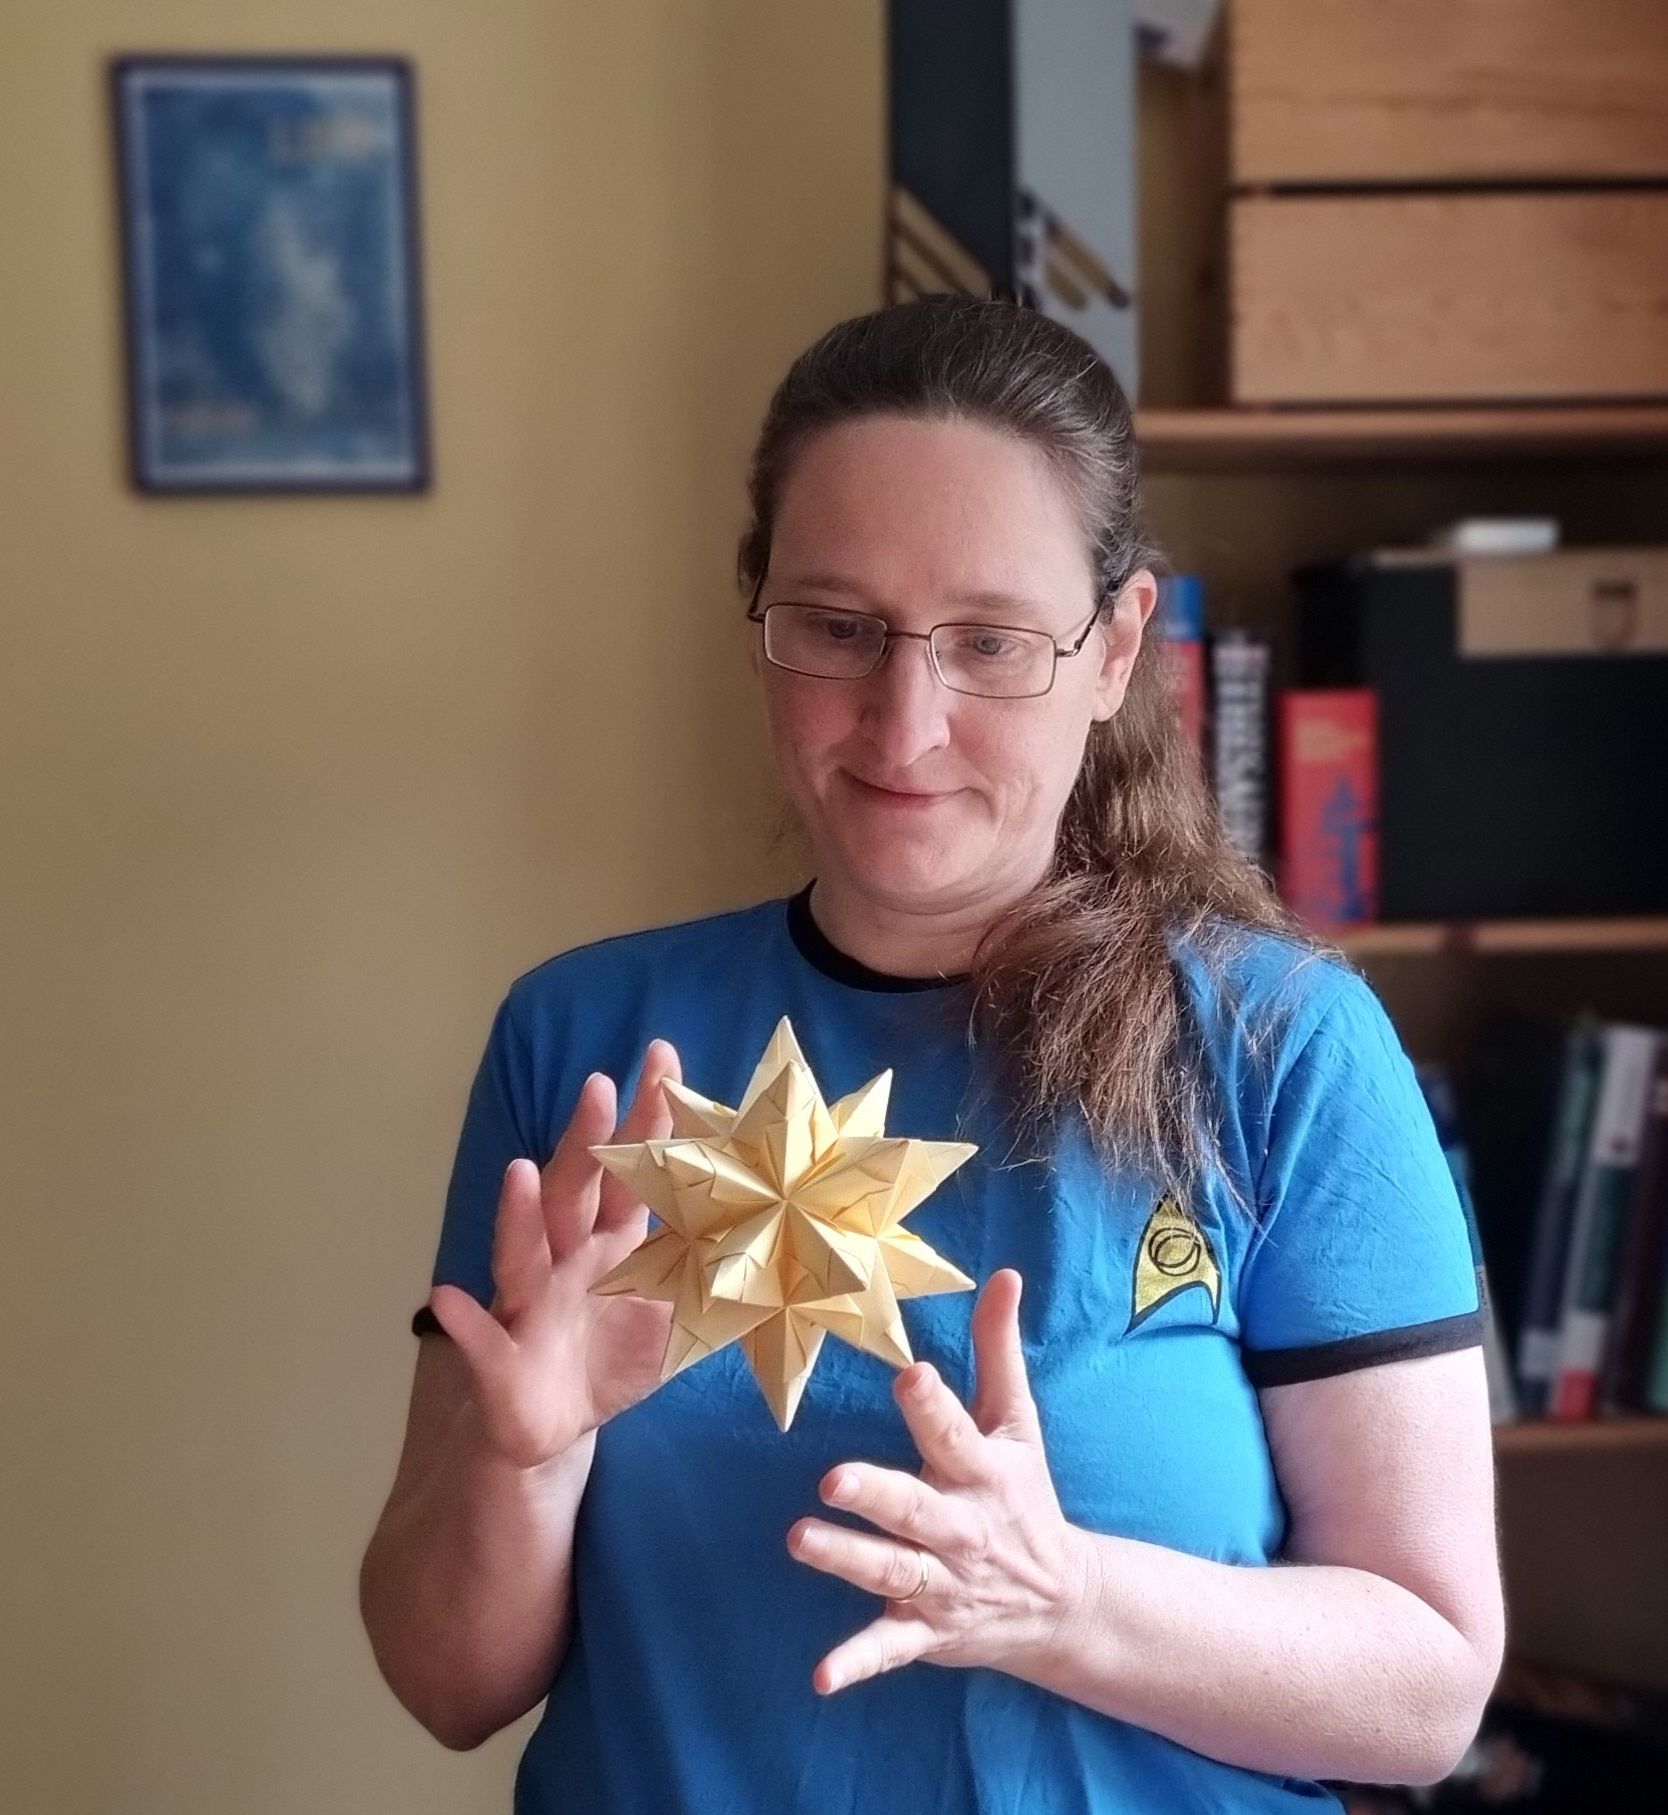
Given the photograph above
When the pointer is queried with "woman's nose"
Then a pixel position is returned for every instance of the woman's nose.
(907, 705)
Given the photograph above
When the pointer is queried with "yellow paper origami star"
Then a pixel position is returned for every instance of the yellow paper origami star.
(781, 1222)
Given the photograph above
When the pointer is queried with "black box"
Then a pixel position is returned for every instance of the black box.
(1523, 725)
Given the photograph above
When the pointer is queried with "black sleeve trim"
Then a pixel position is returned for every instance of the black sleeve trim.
(425, 1323)
(1286, 1367)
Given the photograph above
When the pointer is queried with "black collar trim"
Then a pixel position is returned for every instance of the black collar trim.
(820, 952)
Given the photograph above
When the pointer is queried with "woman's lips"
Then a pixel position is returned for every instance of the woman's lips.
(903, 799)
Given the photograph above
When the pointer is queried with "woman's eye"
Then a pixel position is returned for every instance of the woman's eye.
(840, 630)
(987, 645)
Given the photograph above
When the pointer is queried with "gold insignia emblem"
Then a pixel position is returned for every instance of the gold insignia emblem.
(1173, 1255)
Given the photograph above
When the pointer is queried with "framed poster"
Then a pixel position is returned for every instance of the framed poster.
(269, 230)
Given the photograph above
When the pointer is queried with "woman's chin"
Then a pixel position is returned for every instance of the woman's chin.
(912, 875)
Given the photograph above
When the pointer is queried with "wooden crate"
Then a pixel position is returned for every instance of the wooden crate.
(1428, 298)
(1578, 601)
(1397, 91)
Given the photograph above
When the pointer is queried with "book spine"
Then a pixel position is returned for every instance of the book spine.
(1179, 623)
(1537, 1352)
(1656, 1388)
(1438, 1089)
(1601, 1218)
(1639, 1284)
(1241, 666)
(1329, 804)
(1185, 659)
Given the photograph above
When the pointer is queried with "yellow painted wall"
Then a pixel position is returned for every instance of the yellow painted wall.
(290, 789)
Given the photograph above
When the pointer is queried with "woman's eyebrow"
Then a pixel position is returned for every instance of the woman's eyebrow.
(1002, 606)
(1012, 603)
(819, 582)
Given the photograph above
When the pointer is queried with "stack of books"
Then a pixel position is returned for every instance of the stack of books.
(1559, 1140)
(1294, 771)
(1223, 682)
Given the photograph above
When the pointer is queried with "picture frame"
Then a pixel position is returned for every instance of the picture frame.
(271, 259)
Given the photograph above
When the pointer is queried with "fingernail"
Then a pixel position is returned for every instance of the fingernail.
(924, 1382)
(842, 1489)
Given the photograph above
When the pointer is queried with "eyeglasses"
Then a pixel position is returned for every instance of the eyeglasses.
(990, 661)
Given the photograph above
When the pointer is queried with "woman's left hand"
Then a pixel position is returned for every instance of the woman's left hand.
(976, 1560)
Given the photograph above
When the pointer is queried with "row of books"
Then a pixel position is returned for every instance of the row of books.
(1559, 1142)
(1294, 770)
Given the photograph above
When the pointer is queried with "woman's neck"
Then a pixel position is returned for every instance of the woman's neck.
(901, 941)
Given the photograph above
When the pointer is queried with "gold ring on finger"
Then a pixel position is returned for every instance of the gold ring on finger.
(921, 1586)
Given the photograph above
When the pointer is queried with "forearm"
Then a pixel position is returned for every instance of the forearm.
(1304, 1671)
(466, 1587)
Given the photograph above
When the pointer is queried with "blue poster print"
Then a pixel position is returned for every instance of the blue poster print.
(272, 296)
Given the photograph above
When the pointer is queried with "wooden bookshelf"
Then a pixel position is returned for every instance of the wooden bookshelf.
(1583, 1510)
(1544, 1437)
(1242, 496)
(1225, 438)
(1415, 938)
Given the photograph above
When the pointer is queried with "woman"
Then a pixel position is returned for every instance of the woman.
(1249, 1327)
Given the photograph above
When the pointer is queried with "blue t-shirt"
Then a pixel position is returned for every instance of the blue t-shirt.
(687, 1686)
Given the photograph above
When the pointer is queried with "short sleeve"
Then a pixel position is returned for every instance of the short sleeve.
(1362, 1253)
(496, 1129)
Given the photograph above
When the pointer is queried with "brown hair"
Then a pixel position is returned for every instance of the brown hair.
(1076, 985)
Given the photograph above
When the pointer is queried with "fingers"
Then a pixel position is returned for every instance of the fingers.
(904, 1505)
(648, 1119)
(571, 1177)
(575, 1195)
(1003, 1399)
(950, 1443)
(520, 1240)
(895, 1639)
(879, 1566)
(650, 1116)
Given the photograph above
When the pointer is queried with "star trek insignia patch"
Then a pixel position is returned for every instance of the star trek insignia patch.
(1172, 1256)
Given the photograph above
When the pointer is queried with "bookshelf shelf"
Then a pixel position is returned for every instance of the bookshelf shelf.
(1407, 939)
(1222, 439)
(1541, 1436)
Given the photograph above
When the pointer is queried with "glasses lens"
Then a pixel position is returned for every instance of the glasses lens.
(810, 639)
(994, 660)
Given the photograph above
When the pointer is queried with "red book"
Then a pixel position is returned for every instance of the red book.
(1186, 662)
(1329, 804)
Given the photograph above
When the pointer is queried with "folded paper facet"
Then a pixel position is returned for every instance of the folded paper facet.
(781, 1221)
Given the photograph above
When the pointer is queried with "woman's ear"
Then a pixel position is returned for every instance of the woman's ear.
(1121, 631)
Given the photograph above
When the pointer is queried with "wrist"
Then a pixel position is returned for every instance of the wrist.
(1074, 1641)
(476, 1449)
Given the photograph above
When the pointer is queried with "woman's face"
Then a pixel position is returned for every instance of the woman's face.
(917, 798)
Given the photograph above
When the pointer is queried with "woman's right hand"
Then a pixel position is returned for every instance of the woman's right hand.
(550, 1361)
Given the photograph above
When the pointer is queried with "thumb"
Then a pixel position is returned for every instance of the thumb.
(486, 1346)
(1002, 1401)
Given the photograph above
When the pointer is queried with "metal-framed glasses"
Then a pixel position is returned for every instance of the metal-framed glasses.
(989, 661)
